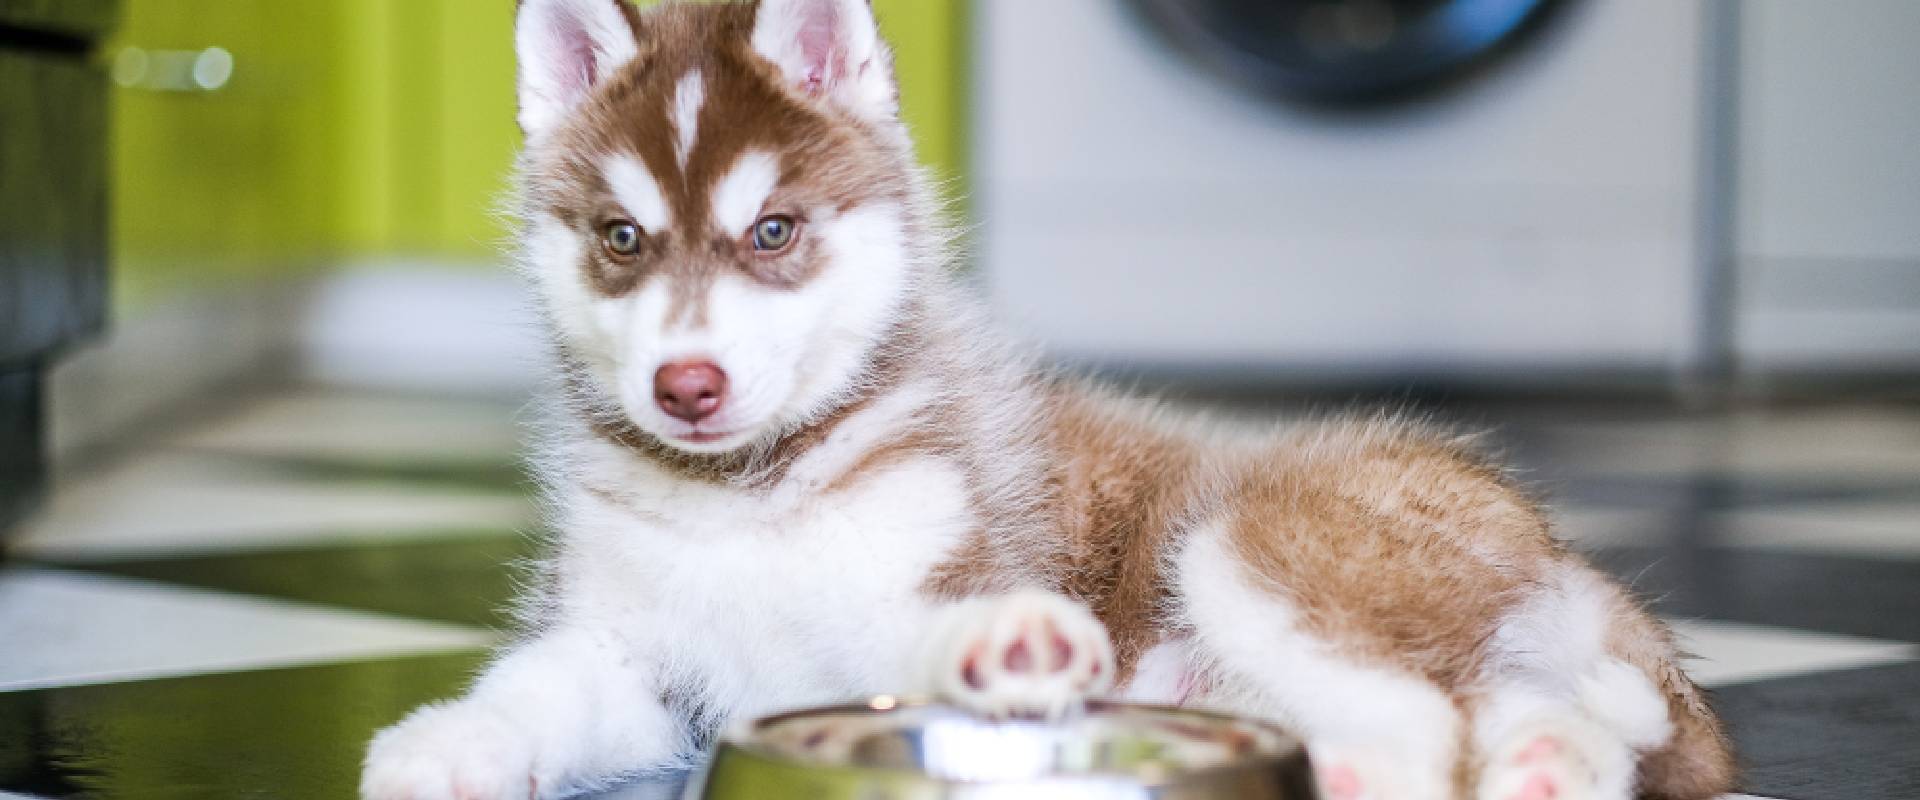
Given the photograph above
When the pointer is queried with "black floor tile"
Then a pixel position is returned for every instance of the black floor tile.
(1835, 594)
(1727, 492)
(285, 733)
(1849, 735)
(465, 579)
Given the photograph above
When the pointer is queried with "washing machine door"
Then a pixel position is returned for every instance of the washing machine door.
(1347, 51)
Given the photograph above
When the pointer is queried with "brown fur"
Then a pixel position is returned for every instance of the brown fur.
(1408, 549)
(1123, 488)
(1366, 531)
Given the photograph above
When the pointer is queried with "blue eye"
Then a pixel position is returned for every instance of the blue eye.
(623, 238)
(773, 234)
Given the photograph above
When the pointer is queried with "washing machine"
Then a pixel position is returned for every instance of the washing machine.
(1335, 189)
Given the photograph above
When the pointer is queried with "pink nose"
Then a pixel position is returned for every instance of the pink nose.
(689, 390)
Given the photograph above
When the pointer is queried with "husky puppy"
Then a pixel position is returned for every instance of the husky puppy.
(792, 465)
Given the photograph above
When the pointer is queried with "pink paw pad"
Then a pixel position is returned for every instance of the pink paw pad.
(1543, 753)
(970, 669)
(1539, 786)
(1020, 656)
(1341, 782)
(1039, 648)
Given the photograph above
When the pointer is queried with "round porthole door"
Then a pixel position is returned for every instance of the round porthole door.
(1347, 51)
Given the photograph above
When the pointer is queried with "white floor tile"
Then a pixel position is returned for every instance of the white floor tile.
(1865, 530)
(1868, 530)
(365, 428)
(61, 628)
(1831, 442)
(1730, 652)
(175, 503)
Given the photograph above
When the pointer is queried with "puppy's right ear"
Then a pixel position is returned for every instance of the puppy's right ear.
(565, 47)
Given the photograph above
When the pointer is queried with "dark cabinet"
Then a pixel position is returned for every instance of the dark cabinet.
(53, 206)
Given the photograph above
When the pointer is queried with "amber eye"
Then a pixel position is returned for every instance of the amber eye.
(623, 238)
(772, 234)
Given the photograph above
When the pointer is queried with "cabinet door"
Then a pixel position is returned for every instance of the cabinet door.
(53, 206)
(53, 203)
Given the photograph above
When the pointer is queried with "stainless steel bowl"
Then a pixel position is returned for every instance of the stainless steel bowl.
(901, 750)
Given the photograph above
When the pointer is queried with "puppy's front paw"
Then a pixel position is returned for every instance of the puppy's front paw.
(1031, 652)
(452, 751)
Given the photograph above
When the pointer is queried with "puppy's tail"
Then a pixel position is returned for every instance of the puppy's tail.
(1696, 762)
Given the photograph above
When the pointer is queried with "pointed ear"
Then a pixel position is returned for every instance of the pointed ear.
(565, 47)
(830, 49)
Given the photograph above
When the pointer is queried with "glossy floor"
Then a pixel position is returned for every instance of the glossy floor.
(232, 611)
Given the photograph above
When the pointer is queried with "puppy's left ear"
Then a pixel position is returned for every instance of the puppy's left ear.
(830, 49)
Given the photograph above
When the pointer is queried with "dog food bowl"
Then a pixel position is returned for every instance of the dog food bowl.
(890, 749)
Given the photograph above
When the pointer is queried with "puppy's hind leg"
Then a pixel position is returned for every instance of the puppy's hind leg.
(1580, 698)
(1374, 731)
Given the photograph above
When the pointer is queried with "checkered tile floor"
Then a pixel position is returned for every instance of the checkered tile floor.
(233, 611)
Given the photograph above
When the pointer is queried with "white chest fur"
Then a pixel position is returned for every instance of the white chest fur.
(758, 600)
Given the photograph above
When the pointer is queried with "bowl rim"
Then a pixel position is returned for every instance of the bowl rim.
(1289, 748)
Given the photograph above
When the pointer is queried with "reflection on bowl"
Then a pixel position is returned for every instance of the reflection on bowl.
(893, 750)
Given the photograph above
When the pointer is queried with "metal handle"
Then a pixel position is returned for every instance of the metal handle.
(196, 71)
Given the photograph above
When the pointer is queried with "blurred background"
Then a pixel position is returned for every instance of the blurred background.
(285, 179)
(260, 353)
(1654, 198)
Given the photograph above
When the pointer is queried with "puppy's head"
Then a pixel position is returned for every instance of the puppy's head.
(717, 206)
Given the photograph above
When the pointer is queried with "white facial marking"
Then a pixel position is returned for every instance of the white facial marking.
(688, 97)
(552, 255)
(740, 195)
(638, 192)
